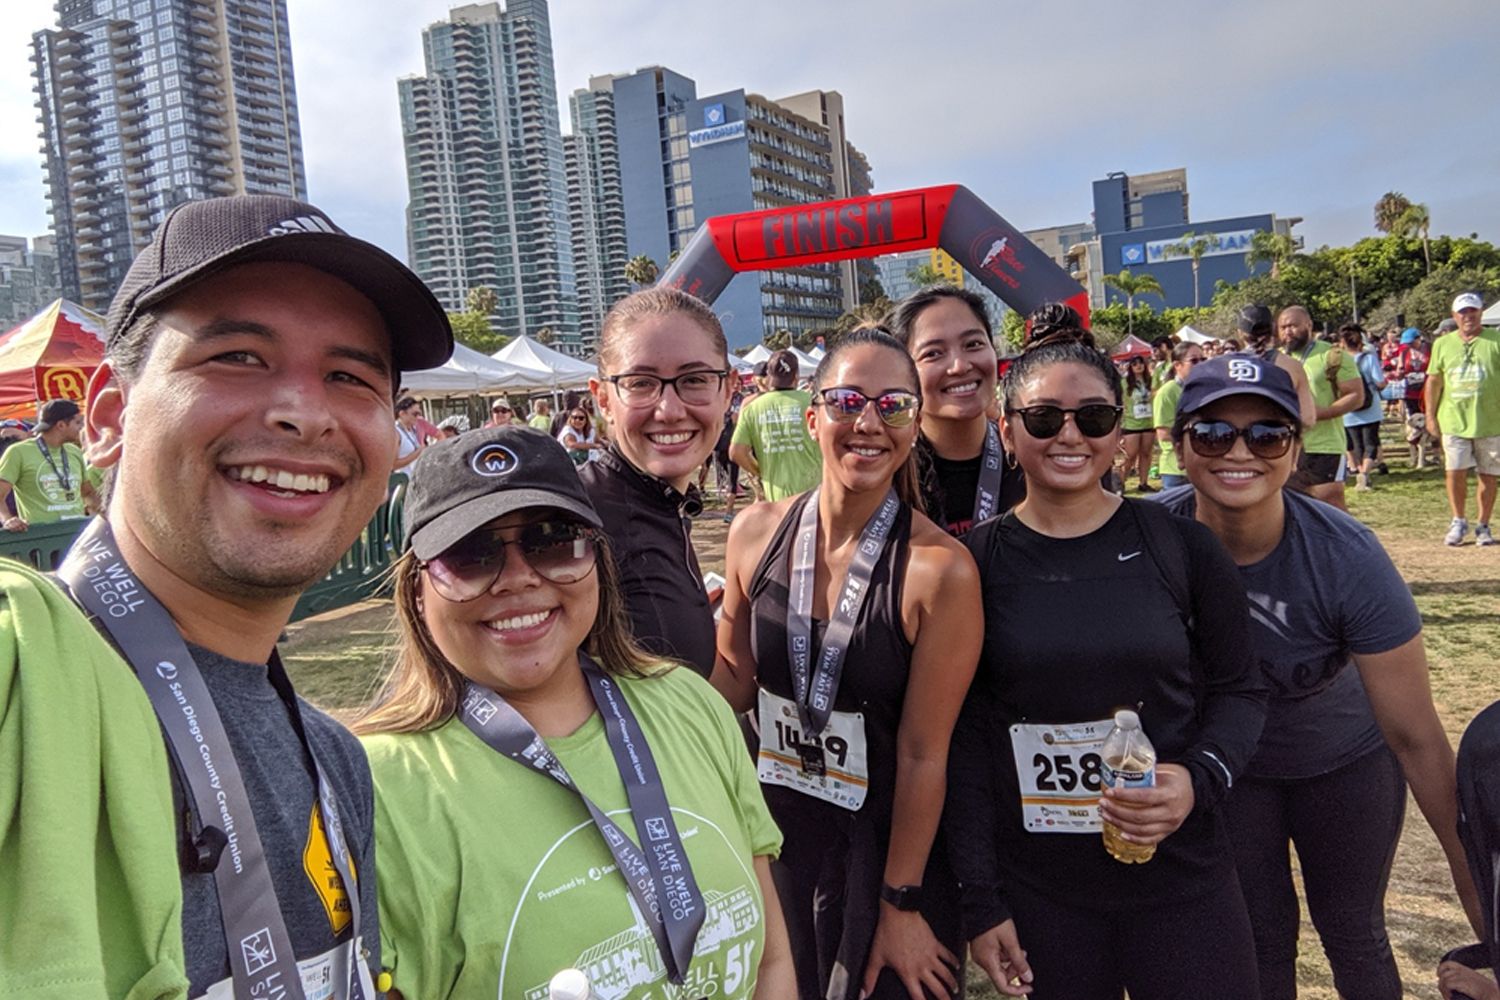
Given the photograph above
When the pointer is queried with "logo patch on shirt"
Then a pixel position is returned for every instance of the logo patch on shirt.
(317, 861)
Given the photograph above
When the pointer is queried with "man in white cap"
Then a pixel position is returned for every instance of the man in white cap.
(1462, 403)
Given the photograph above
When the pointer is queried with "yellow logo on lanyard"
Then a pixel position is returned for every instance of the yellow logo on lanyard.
(317, 861)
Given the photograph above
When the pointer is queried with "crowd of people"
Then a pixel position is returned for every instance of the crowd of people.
(879, 753)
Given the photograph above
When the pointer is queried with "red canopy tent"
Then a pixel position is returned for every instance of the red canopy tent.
(50, 356)
(1132, 346)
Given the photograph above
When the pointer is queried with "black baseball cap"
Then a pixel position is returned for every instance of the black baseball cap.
(1238, 375)
(199, 239)
(1255, 320)
(54, 412)
(464, 483)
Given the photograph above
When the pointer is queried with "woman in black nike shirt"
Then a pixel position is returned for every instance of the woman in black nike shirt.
(1070, 576)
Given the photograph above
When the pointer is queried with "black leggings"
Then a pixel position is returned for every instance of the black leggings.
(1364, 441)
(1345, 825)
(1202, 947)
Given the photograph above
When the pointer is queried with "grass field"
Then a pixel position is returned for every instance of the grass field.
(336, 660)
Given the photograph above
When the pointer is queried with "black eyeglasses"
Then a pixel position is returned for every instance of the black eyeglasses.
(637, 389)
(1095, 420)
(558, 551)
(1265, 439)
(897, 408)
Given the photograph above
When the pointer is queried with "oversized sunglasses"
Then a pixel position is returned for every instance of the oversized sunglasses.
(1265, 439)
(558, 551)
(897, 408)
(1095, 420)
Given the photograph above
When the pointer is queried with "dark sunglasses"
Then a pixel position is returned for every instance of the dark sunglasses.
(1265, 439)
(1096, 420)
(897, 408)
(558, 551)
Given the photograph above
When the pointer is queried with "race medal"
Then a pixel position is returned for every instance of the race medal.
(832, 765)
(1058, 768)
(68, 496)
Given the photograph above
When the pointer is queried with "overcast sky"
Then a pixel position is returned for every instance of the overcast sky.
(1304, 108)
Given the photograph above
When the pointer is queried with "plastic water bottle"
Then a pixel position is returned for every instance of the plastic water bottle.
(570, 984)
(1129, 762)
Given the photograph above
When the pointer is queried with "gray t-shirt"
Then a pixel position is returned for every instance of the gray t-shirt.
(1328, 591)
(282, 786)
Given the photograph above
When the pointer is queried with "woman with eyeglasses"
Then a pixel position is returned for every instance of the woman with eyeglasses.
(1070, 576)
(960, 460)
(1350, 723)
(663, 388)
(544, 787)
(1164, 412)
(851, 626)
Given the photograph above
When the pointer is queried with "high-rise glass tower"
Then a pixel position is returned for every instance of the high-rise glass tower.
(486, 172)
(596, 209)
(148, 103)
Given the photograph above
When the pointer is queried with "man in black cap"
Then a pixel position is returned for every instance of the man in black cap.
(47, 472)
(243, 416)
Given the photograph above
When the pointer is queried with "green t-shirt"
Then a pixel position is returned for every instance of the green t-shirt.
(1161, 374)
(1164, 412)
(1327, 436)
(1470, 402)
(493, 878)
(774, 426)
(1139, 413)
(40, 496)
(541, 421)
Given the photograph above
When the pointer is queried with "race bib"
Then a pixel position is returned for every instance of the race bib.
(1059, 771)
(831, 766)
(1141, 411)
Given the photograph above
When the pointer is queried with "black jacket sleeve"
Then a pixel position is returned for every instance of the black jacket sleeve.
(1232, 705)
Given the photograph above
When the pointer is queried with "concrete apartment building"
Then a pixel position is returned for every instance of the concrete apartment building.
(28, 279)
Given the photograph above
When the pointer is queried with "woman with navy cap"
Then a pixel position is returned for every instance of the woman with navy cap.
(1350, 723)
(548, 795)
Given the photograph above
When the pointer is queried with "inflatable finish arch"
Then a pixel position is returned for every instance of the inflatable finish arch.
(950, 217)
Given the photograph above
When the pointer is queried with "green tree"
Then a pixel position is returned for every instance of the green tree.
(545, 336)
(865, 312)
(1013, 330)
(1417, 221)
(1193, 245)
(1389, 209)
(1131, 285)
(472, 329)
(1276, 249)
(641, 271)
(871, 290)
(926, 274)
(482, 300)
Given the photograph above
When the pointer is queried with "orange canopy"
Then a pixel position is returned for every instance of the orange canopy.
(50, 356)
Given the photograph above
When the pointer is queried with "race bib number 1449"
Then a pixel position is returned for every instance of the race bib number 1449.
(831, 765)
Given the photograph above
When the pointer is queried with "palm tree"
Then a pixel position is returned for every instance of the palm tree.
(926, 274)
(1389, 209)
(1276, 249)
(1193, 245)
(481, 300)
(1131, 285)
(1416, 221)
(641, 271)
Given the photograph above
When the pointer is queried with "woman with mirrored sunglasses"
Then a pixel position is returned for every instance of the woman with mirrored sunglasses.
(960, 459)
(1350, 723)
(526, 753)
(1069, 577)
(851, 626)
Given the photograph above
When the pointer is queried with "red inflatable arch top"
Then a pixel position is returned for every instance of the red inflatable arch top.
(950, 217)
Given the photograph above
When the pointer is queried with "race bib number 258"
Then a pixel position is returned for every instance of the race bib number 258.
(1059, 769)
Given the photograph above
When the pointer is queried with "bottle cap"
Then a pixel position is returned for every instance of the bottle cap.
(1126, 719)
(569, 984)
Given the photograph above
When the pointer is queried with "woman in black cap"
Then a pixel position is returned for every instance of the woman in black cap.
(1350, 723)
(851, 622)
(627, 792)
(663, 387)
(1069, 577)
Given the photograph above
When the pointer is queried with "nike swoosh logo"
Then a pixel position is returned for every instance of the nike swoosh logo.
(1126, 558)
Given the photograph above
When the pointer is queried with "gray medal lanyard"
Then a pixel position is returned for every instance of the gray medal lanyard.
(658, 873)
(815, 689)
(987, 497)
(62, 475)
(260, 950)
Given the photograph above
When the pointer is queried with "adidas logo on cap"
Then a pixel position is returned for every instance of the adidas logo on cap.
(303, 224)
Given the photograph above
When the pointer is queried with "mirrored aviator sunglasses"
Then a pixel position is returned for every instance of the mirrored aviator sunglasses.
(561, 552)
(1095, 420)
(1265, 439)
(897, 408)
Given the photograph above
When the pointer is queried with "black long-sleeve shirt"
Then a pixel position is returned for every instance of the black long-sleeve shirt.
(1075, 629)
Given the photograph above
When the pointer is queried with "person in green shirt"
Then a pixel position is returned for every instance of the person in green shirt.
(1164, 412)
(1337, 389)
(1139, 423)
(771, 439)
(47, 473)
(1462, 403)
(541, 416)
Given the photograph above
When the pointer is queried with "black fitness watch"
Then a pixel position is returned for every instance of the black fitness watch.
(906, 899)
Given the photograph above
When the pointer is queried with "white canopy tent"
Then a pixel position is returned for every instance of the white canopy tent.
(1491, 316)
(469, 372)
(757, 354)
(742, 365)
(560, 371)
(1190, 336)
